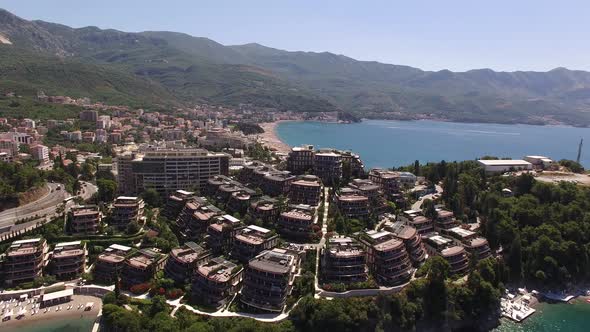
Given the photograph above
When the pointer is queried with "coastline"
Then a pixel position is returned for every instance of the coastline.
(53, 316)
(270, 138)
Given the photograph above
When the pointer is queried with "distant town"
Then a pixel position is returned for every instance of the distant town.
(203, 210)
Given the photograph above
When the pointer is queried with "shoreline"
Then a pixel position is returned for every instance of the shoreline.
(271, 139)
(52, 316)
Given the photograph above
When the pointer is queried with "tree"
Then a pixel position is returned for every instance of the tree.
(76, 187)
(107, 190)
(429, 209)
(87, 171)
(436, 290)
(120, 319)
(152, 197)
(416, 168)
(524, 184)
(158, 305)
(133, 227)
(515, 259)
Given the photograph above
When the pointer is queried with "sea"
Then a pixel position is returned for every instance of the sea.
(62, 324)
(399, 143)
(560, 317)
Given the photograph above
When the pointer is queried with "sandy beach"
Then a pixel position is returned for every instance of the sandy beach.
(64, 314)
(270, 138)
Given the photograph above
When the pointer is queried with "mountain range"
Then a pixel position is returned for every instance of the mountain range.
(172, 69)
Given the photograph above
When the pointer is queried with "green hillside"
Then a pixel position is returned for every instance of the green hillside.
(195, 69)
(25, 73)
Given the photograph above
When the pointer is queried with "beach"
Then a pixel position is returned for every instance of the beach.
(63, 316)
(270, 138)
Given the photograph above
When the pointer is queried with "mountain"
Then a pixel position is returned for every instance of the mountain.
(193, 69)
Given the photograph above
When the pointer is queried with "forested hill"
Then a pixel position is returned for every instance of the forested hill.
(199, 69)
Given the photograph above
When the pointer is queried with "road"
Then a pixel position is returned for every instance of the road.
(44, 205)
(418, 205)
(88, 189)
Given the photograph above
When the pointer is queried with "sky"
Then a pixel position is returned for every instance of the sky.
(432, 35)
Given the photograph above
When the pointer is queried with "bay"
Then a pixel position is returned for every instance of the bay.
(566, 317)
(383, 143)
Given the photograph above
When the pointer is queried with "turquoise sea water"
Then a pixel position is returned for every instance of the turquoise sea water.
(564, 317)
(399, 143)
(54, 325)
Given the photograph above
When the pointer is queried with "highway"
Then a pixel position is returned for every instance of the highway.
(46, 205)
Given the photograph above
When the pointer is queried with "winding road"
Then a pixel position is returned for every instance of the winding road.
(45, 205)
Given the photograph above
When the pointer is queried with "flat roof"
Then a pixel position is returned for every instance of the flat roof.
(462, 231)
(258, 229)
(57, 295)
(65, 244)
(509, 162)
(26, 241)
(119, 247)
(127, 197)
(231, 218)
(439, 239)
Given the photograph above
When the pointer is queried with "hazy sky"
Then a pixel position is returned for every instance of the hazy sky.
(437, 34)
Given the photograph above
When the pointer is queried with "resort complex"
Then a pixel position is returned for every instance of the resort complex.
(249, 232)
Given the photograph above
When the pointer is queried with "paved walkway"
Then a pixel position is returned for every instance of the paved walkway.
(322, 240)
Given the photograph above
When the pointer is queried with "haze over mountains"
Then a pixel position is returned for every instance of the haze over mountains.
(168, 68)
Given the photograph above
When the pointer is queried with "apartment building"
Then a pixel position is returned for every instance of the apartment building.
(85, 219)
(251, 240)
(265, 209)
(109, 264)
(475, 245)
(387, 257)
(239, 202)
(327, 165)
(306, 189)
(300, 159)
(253, 172)
(392, 182)
(370, 190)
(172, 169)
(343, 260)
(411, 239)
(141, 266)
(277, 183)
(68, 260)
(176, 202)
(125, 210)
(356, 166)
(125, 178)
(195, 217)
(88, 115)
(183, 260)
(216, 282)
(445, 220)
(221, 233)
(352, 205)
(24, 261)
(268, 279)
(417, 220)
(297, 223)
(40, 153)
(445, 247)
